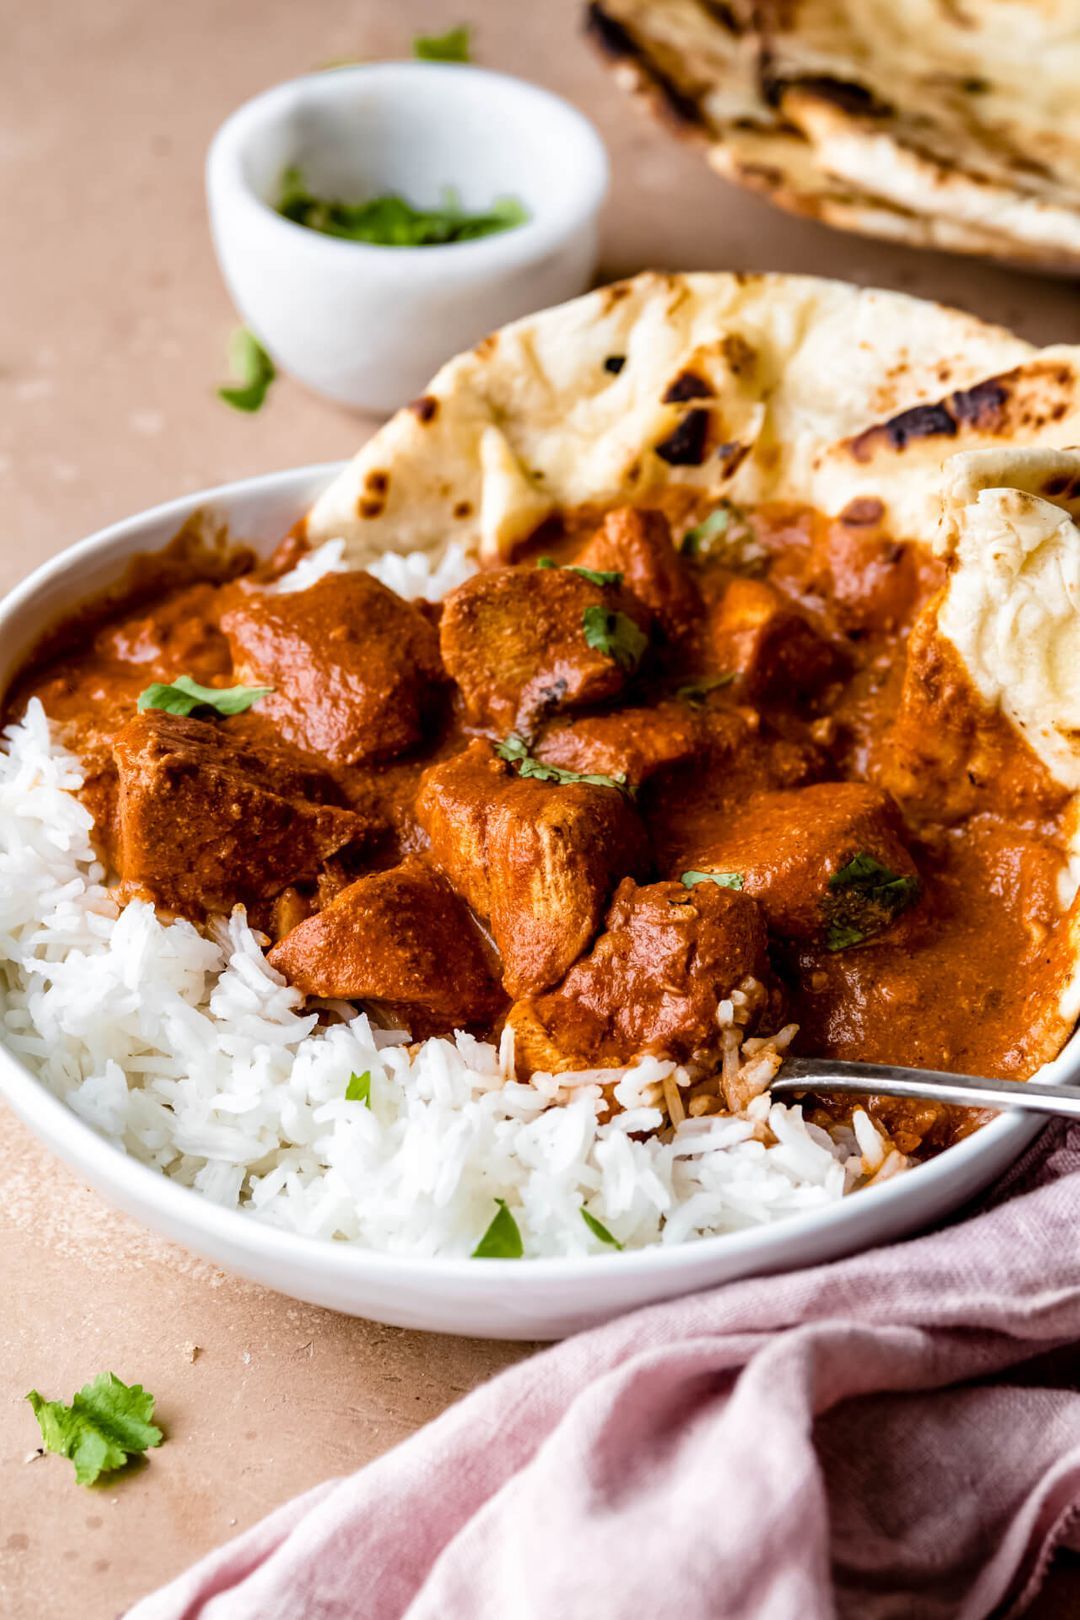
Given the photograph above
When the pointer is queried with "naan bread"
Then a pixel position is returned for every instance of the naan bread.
(1011, 606)
(940, 123)
(727, 385)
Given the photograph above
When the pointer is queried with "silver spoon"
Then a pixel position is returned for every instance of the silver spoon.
(891, 1080)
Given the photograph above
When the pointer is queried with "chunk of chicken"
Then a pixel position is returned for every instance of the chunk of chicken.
(635, 743)
(204, 821)
(638, 545)
(536, 860)
(871, 579)
(515, 641)
(352, 666)
(827, 862)
(775, 650)
(652, 983)
(401, 937)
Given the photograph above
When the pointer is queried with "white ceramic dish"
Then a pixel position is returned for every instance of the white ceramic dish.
(541, 1299)
(369, 325)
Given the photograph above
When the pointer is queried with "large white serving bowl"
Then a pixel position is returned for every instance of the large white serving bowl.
(509, 1299)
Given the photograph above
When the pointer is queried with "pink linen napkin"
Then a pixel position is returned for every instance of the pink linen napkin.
(894, 1435)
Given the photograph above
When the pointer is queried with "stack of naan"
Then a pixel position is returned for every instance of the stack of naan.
(952, 124)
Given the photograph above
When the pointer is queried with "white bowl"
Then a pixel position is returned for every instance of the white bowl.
(508, 1299)
(369, 325)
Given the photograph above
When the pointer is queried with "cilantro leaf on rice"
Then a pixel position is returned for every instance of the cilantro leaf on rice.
(502, 1240)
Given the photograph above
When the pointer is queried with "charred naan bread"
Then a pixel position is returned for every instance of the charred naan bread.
(753, 387)
(701, 388)
(940, 123)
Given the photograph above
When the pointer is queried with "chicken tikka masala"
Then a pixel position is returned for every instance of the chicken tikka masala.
(667, 768)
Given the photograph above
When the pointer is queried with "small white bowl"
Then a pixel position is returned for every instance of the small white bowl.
(369, 325)
(506, 1299)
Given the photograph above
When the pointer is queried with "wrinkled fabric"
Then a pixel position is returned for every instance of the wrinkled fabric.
(893, 1435)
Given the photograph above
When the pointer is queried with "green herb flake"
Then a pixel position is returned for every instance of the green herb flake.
(595, 576)
(599, 576)
(502, 1240)
(864, 897)
(184, 696)
(723, 880)
(727, 535)
(453, 46)
(515, 752)
(696, 692)
(359, 1088)
(615, 635)
(696, 541)
(106, 1423)
(599, 1230)
(391, 221)
(253, 369)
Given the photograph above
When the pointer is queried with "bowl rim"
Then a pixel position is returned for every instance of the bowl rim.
(182, 1209)
(584, 192)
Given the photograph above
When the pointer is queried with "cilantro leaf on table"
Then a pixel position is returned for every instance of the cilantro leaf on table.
(615, 635)
(184, 696)
(515, 752)
(453, 46)
(253, 369)
(502, 1240)
(107, 1423)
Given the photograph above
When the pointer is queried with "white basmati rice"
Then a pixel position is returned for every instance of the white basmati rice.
(199, 1060)
(414, 575)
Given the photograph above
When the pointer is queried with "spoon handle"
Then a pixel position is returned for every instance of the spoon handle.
(890, 1080)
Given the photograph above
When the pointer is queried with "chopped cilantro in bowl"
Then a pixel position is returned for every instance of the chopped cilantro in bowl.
(393, 221)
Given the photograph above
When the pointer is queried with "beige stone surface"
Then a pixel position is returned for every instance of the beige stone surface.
(113, 325)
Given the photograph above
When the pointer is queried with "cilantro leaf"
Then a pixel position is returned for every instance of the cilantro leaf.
(516, 753)
(106, 1423)
(725, 880)
(253, 369)
(184, 695)
(502, 1240)
(599, 1230)
(615, 635)
(726, 534)
(598, 576)
(453, 46)
(391, 221)
(359, 1088)
(864, 897)
(595, 576)
(696, 692)
(696, 542)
